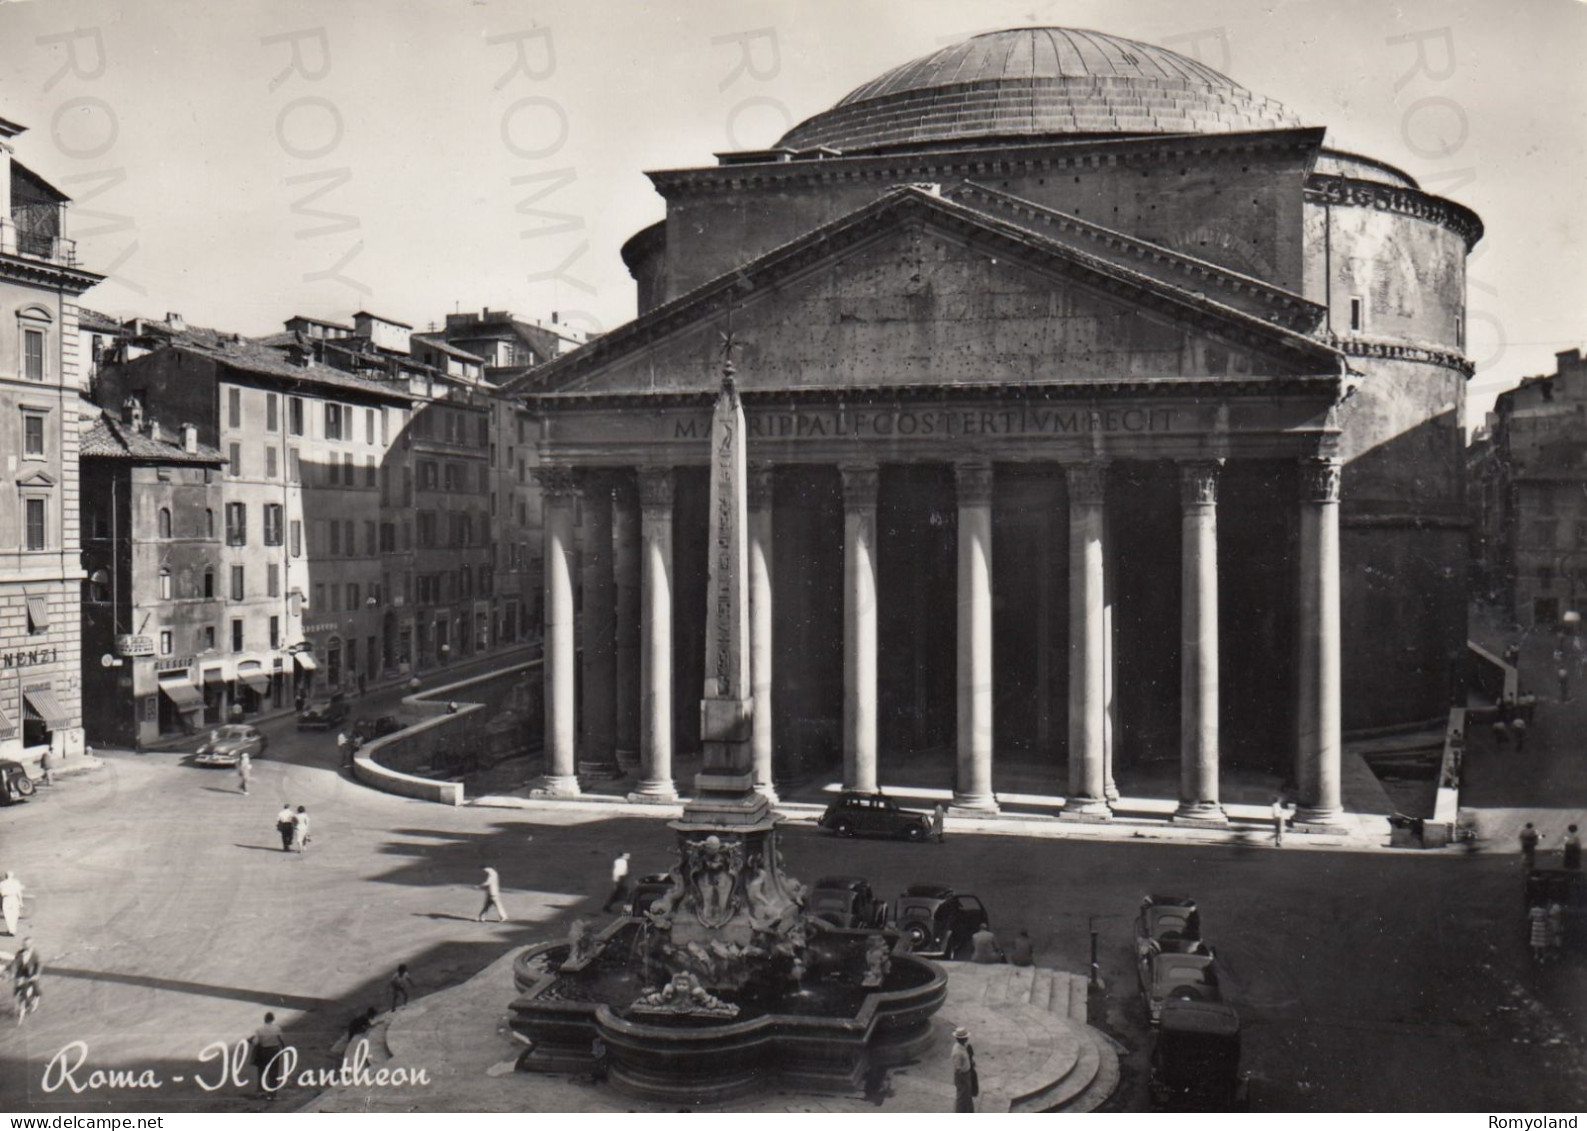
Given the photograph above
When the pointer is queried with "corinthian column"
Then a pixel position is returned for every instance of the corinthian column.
(1198, 682)
(1087, 645)
(625, 554)
(655, 637)
(974, 780)
(559, 492)
(859, 627)
(598, 751)
(760, 485)
(1318, 739)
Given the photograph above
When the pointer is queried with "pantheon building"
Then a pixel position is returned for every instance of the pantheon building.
(1104, 434)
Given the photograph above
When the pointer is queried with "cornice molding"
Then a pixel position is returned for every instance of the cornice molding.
(1403, 351)
(40, 272)
(1328, 188)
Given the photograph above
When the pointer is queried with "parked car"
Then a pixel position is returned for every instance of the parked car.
(1177, 969)
(648, 889)
(225, 745)
(1165, 917)
(323, 712)
(367, 730)
(938, 922)
(846, 901)
(14, 781)
(1195, 1060)
(874, 814)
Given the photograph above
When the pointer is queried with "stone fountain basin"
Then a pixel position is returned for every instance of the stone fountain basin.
(831, 1040)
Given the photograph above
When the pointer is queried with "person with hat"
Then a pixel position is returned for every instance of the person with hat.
(966, 1084)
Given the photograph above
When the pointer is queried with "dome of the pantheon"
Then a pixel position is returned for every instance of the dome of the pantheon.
(1036, 82)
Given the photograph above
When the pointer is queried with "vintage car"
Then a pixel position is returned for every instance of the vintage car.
(1176, 969)
(648, 889)
(938, 922)
(367, 730)
(874, 814)
(1161, 917)
(14, 781)
(226, 745)
(323, 712)
(846, 901)
(1195, 1063)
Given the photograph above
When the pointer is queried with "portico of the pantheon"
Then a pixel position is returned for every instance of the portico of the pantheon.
(1101, 419)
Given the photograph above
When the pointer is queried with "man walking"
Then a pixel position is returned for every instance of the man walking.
(11, 890)
(268, 1044)
(1529, 838)
(401, 986)
(966, 1085)
(1280, 815)
(341, 747)
(244, 770)
(25, 979)
(284, 825)
(619, 882)
(492, 889)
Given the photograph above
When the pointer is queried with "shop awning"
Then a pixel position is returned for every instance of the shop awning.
(180, 690)
(253, 674)
(8, 729)
(38, 614)
(48, 709)
(306, 661)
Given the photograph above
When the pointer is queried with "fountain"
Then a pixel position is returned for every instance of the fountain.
(724, 985)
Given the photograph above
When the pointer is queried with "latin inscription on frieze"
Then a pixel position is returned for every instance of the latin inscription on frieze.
(806, 424)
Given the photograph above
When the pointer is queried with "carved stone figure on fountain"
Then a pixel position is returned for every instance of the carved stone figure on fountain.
(582, 945)
(683, 994)
(878, 961)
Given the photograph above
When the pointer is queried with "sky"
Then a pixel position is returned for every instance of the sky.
(239, 162)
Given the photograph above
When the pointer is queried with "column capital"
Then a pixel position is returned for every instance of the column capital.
(655, 488)
(1319, 480)
(1087, 482)
(1198, 482)
(974, 482)
(760, 482)
(859, 484)
(557, 481)
(595, 480)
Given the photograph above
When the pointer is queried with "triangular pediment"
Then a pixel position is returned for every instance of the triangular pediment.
(917, 291)
(35, 479)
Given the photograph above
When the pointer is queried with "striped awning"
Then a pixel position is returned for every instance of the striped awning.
(47, 709)
(306, 661)
(8, 729)
(180, 690)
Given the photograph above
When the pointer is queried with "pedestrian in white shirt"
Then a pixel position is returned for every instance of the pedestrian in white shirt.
(619, 882)
(11, 901)
(492, 889)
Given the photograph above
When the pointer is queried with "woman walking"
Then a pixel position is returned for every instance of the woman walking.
(300, 829)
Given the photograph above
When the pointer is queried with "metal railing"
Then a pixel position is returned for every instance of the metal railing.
(31, 245)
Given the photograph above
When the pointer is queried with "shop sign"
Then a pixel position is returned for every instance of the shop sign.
(134, 645)
(32, 657)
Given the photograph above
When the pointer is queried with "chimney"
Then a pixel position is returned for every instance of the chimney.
(190, 438)
(154, 429)
(177, 323)
(132, 413)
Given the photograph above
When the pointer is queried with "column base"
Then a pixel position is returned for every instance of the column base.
(1110, 792)
(557, 785)
(769, 792)
(599, 771)
(973, 805)
(1311, 819)
(655, 793)
(1200, 814)
(628, 761)
(1090, 809)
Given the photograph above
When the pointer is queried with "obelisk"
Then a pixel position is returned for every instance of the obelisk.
(725, 788)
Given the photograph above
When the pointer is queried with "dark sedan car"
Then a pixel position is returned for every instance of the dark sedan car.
(323, 712)
(938, 922)
(874, 814)
(227, 744)
(846, 901)
(14, 781)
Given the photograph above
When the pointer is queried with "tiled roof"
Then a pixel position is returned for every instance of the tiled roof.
(93, 320)
(109, 438)
(443, 346)
(251, 357)
(1037, 81)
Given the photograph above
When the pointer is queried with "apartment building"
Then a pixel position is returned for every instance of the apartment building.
(40, 574)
